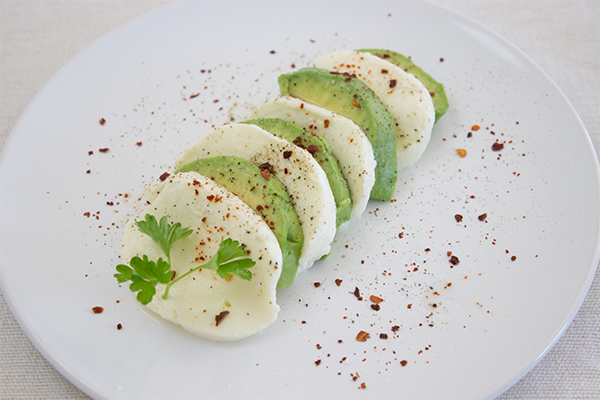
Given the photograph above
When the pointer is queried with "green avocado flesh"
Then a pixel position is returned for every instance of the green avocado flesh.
(351, 98)
(269, 198)
(436, 89)
(321, 152)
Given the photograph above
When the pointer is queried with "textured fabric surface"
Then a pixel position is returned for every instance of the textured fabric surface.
(562, 37)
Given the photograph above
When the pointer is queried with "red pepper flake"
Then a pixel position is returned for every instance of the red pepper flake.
(317, 284)
(326, 123)
(194, 95)
(475, 128)
(384, 71)
(287, 154)
(482, 217)
(210, 197)
(312, 149)
(90, 153)
(395, 328)
(357, 293)
(375, 299)
(87, 214)
(110, 203)
(458, 217)
(215, 100)
(103, 150)
(376, 307)
(363, 385)
(383, 336)
(403, 363)
(119, 326)
(338, 282)
(393, 83)
(102, 121)
(164, 176)
(138, 144)
(266, 174)
(221, 316)
(97, 310)
(362, 336)
(513, 258)
(462, 153)
(454, 260)
(409, 306)
(497, 146)
(317, 362)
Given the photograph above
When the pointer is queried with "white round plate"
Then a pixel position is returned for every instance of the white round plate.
(469, 330)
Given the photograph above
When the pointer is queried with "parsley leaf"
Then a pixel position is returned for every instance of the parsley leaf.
(163, 234)
(144, 276)
(231, 259)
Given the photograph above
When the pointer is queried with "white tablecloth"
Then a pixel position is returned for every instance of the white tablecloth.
(562, 37)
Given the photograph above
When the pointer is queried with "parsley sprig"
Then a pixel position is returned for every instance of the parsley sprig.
(230, 260)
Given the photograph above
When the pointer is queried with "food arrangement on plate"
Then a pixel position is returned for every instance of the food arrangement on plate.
(250, 205)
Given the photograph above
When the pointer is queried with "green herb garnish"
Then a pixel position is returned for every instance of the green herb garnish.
(230, 260)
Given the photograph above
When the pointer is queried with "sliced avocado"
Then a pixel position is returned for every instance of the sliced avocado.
(268, 197)
(321, 151)
(436, 89)
(348, 96)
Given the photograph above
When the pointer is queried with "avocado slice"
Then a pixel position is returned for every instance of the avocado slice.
(436, 89)
(268, 197)
(348, 96)
(321, 151)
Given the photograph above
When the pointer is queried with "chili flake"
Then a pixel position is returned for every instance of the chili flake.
(497, 146)
(97, 310)
(375, 299)
(362, 336)
(221, 316)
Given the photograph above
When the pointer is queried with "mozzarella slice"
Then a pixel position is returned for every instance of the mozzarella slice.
(348, 142)
(195, 302)
(407, 99)
(302, 176)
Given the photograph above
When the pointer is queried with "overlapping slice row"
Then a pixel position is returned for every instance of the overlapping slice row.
(304, 179)
(347, 141)
(321, 152)
(403, 95)
(268, 197)
(356, 101)
(300, 167)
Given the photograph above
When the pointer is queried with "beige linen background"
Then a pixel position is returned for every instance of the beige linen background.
(562, 37)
